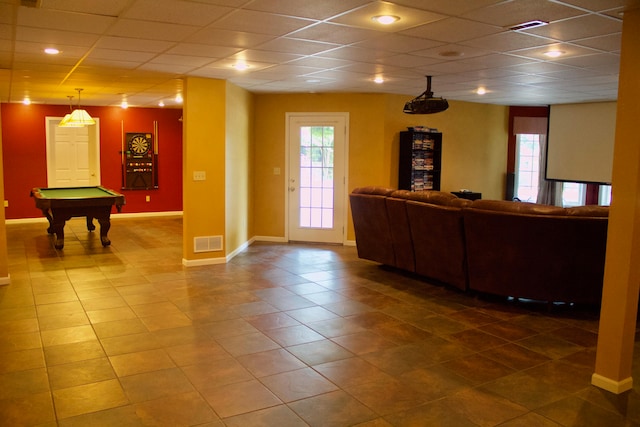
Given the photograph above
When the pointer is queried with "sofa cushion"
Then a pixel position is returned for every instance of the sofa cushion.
(590, 210)
(517, 207)
(373, 190)
(428, 196)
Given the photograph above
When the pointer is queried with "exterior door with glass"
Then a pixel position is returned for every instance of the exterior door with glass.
(317, 176)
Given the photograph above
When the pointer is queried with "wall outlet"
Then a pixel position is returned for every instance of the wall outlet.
(148, 198)
(276, 171)
(199, 175)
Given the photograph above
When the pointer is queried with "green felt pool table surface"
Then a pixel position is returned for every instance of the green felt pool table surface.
(76, 192)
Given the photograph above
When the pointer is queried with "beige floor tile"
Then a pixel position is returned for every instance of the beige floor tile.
(87, 398)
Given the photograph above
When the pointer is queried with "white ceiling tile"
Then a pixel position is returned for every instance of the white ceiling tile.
(202, 50)
(452, 30)
(176, 12)
(92, 7)
(312, 9)
(128, 43)
(216, 36)
(333, 33)
(262, 23)
(398, 43)
(59, 20)
(607, 43)
(118, 55)
(296, 47)
(150, 30)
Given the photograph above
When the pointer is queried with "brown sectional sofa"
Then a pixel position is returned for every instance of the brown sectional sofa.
(514, 249)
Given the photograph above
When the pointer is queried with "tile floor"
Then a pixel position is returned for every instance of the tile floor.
(283, 335)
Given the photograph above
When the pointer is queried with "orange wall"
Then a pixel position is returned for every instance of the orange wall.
(474, 146)
(24, 152)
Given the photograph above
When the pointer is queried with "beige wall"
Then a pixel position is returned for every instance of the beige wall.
(239, 160)
(474, 146)
(204, 139)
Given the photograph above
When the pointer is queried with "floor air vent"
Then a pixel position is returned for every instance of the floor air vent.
(207, 244)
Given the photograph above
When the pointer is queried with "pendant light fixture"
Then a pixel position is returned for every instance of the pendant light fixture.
(77, 117)
(65, 121)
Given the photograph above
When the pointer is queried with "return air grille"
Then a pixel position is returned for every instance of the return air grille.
(528, 25)
(207, 244)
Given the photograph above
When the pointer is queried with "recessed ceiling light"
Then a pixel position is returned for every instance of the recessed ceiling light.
(179, 99)
(51, 51)
(481, 91)
(161, 104)
(240, 66)
(378, 80)
(385, 19)
(554, 53)
(26, 101)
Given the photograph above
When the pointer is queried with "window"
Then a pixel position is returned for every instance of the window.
(527, 167)
(573, 194)
(604, 195)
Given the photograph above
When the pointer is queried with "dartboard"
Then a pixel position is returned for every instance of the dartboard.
(139, 143)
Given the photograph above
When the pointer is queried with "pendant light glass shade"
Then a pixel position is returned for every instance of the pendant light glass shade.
(66, 122)
(80, 118)
(77, 117)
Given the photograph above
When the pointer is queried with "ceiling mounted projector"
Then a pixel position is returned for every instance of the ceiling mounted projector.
(425, 103)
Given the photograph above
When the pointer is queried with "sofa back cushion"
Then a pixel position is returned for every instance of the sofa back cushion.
(438, 242)
(371, 224)
(529, 252)
(400, 233)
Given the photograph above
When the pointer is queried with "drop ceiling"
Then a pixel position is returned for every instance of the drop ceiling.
(142, 50)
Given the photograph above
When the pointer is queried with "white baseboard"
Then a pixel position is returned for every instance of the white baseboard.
(613, 386)
(349, 242)
(204, 261)
(240, 249)
(145, 214)
(5, 280)
(113, 216)
(273, 239)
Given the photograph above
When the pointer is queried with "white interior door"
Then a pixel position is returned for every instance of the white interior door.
(316, 179)
(73, 155)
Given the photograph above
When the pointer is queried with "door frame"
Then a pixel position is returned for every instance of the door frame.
(345, 201)
(94, 138)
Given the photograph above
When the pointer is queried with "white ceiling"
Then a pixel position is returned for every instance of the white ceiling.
(142, 49)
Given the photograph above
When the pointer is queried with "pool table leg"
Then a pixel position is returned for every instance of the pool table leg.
(105, 225)
(57, 228)
(90, 225)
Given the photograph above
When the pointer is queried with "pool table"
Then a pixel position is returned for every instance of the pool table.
(61, 204)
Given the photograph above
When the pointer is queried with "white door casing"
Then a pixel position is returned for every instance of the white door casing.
(73, 154)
